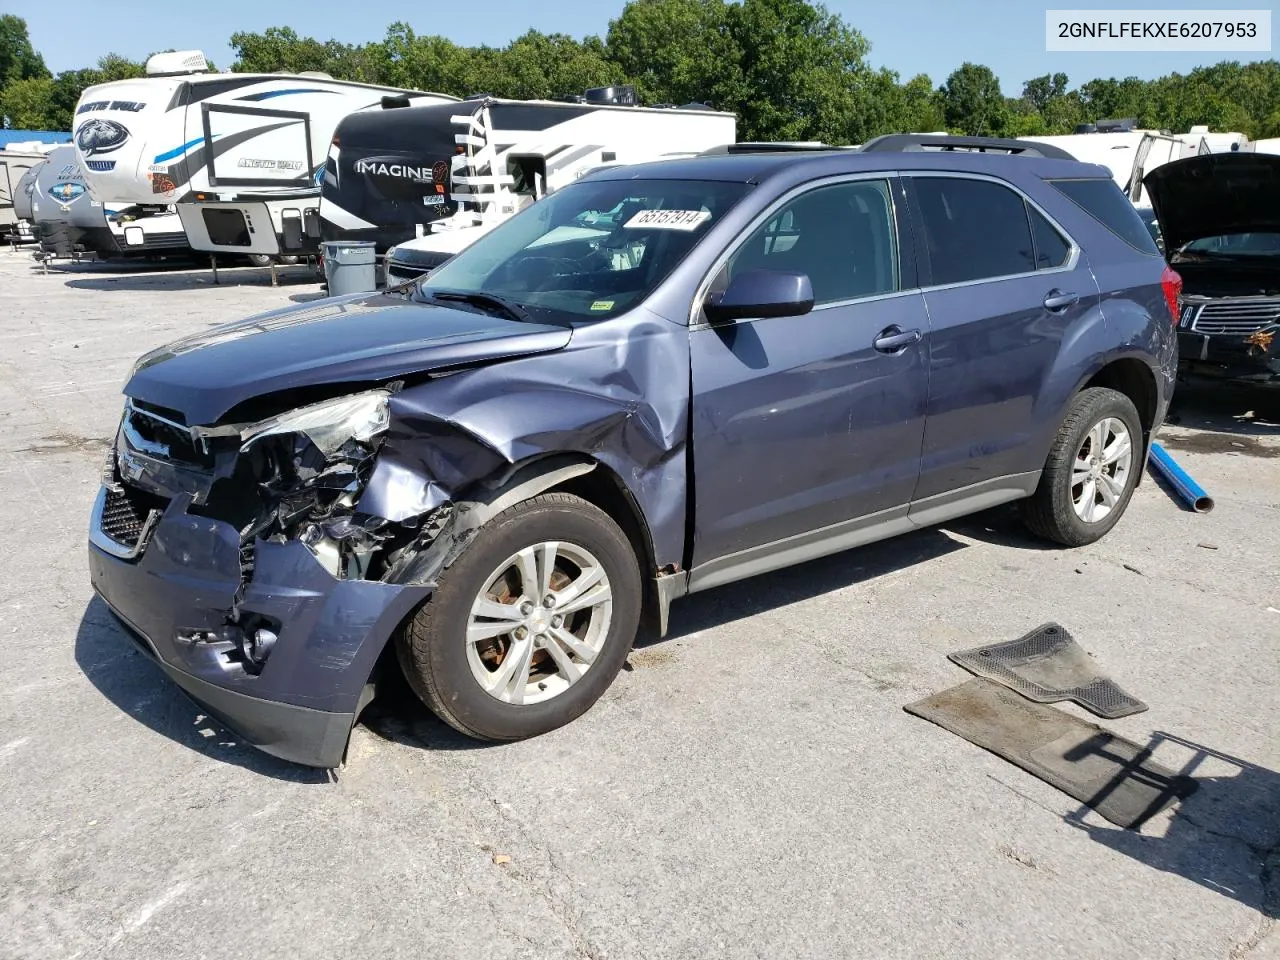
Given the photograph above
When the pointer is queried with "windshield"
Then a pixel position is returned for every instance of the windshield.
(591, 249)
(1236, 245)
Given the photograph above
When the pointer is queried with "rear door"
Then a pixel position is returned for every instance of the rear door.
(802, 423)
(1003, 286)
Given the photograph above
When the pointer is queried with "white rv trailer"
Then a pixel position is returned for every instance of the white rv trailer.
(70, 222)
(16, 160)
(1131, 154)
(236, 154)
(23, 229)
(427, 181)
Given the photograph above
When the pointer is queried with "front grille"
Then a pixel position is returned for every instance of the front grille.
(125, 512)
(1241, 317)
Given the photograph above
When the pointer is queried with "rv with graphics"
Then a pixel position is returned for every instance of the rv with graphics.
(423, 182)
(237, 153)
(23, 227)
(16, 163)
(70, 222)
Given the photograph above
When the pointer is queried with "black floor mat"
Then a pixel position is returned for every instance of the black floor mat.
(1048, 666)
(1112, 775)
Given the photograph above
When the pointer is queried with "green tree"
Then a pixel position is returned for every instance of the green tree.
(678, 51)
(428, 63)
(922, 110)
(802, 71)
(18, 59)
(27, 104)
(1039, 92)
(281, 49)
(540, 66)
(972, 102)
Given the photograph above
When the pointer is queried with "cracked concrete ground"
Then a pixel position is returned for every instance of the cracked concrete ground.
(751, 787)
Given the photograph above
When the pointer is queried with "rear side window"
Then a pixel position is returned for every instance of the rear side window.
(1105, 202)
(1052, 248)
(974, 229)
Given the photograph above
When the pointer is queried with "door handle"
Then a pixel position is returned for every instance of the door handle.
(1057, 300)
(892, 339)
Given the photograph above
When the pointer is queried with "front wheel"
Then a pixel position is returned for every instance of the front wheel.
(530, 625)
(1091, 471)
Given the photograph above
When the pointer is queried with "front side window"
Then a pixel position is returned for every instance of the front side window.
(974, 229)
(591, 249)
(842, 236)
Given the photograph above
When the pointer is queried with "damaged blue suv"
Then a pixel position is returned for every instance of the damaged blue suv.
(659, 379)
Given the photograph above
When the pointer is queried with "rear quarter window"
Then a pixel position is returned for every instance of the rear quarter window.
(1106, 203)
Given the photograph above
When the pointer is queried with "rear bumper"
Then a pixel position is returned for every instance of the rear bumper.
(1231, 356)
(184, 600)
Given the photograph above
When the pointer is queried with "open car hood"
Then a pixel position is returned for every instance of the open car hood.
(1215, 195)
(364, 338)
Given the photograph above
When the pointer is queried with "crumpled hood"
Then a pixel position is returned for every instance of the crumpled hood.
(359, 338)
(1214, 195)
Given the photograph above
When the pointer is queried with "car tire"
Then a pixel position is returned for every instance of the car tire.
(260, 259)
(1081, 496)
(449, 673)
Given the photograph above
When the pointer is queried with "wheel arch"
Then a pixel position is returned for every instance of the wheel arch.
(1136, 380)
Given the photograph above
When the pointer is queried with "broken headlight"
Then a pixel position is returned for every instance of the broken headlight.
(329, 425)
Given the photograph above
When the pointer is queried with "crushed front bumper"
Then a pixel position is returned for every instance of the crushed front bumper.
(180, 592)
(1220, 356)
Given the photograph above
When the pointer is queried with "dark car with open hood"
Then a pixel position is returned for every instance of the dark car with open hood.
(1219, 217)
(657, 380)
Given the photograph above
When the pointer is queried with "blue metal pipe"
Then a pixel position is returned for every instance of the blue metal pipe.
(1186, 488)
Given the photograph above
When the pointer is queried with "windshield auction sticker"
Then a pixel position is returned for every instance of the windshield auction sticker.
(668, 220)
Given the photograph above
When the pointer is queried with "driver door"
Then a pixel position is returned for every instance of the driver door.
(804, 430)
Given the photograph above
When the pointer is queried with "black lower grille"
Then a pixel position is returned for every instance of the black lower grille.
(125, 512)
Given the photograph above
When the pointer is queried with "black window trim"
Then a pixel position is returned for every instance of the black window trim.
(1073, 257)
(908, 278)
(1035, 246)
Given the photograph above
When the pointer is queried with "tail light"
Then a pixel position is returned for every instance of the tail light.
(1171, 284)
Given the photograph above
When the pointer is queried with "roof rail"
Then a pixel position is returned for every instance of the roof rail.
(914, 142)
(780, 146)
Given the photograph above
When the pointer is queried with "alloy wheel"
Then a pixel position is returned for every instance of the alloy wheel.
(1101, 469)
(539, 622)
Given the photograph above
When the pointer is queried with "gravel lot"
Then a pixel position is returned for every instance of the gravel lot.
(750, 787)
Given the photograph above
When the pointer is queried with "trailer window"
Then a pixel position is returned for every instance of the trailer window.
(591, 249)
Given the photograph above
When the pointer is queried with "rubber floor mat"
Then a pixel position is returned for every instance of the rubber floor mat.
(1048, 666)
(1107, 773)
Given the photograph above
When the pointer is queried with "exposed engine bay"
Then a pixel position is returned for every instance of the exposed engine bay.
(297, 475)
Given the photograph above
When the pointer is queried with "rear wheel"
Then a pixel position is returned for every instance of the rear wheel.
(1091, 471)
(530, 625)
(261, 259)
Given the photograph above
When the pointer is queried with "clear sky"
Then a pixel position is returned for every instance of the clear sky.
(910, 36)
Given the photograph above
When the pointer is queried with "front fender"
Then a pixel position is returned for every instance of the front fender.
(617, 396)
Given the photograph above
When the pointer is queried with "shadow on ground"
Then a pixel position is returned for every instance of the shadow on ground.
(399, 716)
(1240, 805)
(195, 278)
(130, 680)
(1225, 408)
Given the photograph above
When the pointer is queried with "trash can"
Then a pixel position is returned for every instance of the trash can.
(350, 267)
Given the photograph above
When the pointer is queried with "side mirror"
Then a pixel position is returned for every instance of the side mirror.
(761, 293)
